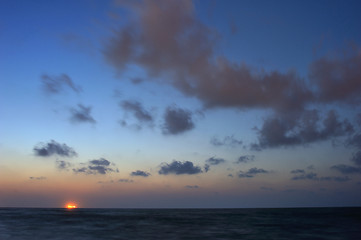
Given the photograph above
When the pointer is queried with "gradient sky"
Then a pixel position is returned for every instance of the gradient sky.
(180, 103)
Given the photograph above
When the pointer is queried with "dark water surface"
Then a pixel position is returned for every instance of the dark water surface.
(291, 223)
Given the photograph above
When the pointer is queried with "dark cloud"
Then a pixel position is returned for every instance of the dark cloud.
(227, 141)
(251, 172)
(137, 110)
(167, 40)
(81, 115)
(192, 186)
(62, 165)
(57, 84)
(354, 141)
(245, 159)
(37, 178)
(356, 158)
(206, 167)
(97, 166)
(177, 167)
(301, 174)
(125, 180)
(300, 128)
(215, 161)
(177, 120)
(54, 148)
(346, 169)
(298, 171)
(140, 173)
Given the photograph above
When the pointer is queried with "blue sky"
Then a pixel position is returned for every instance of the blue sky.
(180, 103)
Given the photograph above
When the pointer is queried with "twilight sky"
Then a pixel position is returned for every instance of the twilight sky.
(180, 103)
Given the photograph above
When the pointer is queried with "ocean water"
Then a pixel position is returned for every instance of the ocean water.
(284, 223)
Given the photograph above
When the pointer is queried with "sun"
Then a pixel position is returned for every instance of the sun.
(71, 206)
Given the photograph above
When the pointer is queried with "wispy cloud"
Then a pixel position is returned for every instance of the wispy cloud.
(245, 159)
(57, 84)
(37, 178)
(81, 114)
(230, 141)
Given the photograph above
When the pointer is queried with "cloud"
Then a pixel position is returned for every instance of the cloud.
(125, 180)
(303, 175)
(62, 165)
(251, 172)
(177, 120)
(338, 79)
(354, 141)
(81, 115)
(215, 161)
(140, 173)
(37, 178)
(97, 166)
(191, 186)
(245, 159)
(298, 171)
(346, 169)
(54, 148)
(136, 108)
(356, 158)
(178, 168)
(300, 129)
(57, 84)
(227, 141)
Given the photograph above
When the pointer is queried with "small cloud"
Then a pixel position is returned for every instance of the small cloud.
(54, 85)
(140, 173)
(54, 148)
(136, 80)
(310, 176)
(215, 161)
(177, 120)
(245, 159)
(125, 180)
(298, 171)
(206, 167)
(81, 115)
(227, 141)
(139, 113)
(37, 178)
(191, 186)
(62, 165)
(230, 175)
(178, 168)
(251, 172)
(98, 166)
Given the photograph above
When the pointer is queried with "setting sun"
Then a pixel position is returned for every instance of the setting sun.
(71, 206)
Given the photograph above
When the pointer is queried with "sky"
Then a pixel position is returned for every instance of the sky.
(180, 104)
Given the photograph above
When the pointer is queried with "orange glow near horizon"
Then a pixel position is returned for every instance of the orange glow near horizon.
(71, 206)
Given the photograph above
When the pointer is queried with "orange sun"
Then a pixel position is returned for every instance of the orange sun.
(71, 206)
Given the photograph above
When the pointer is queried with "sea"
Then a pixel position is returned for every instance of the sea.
(272, 223)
